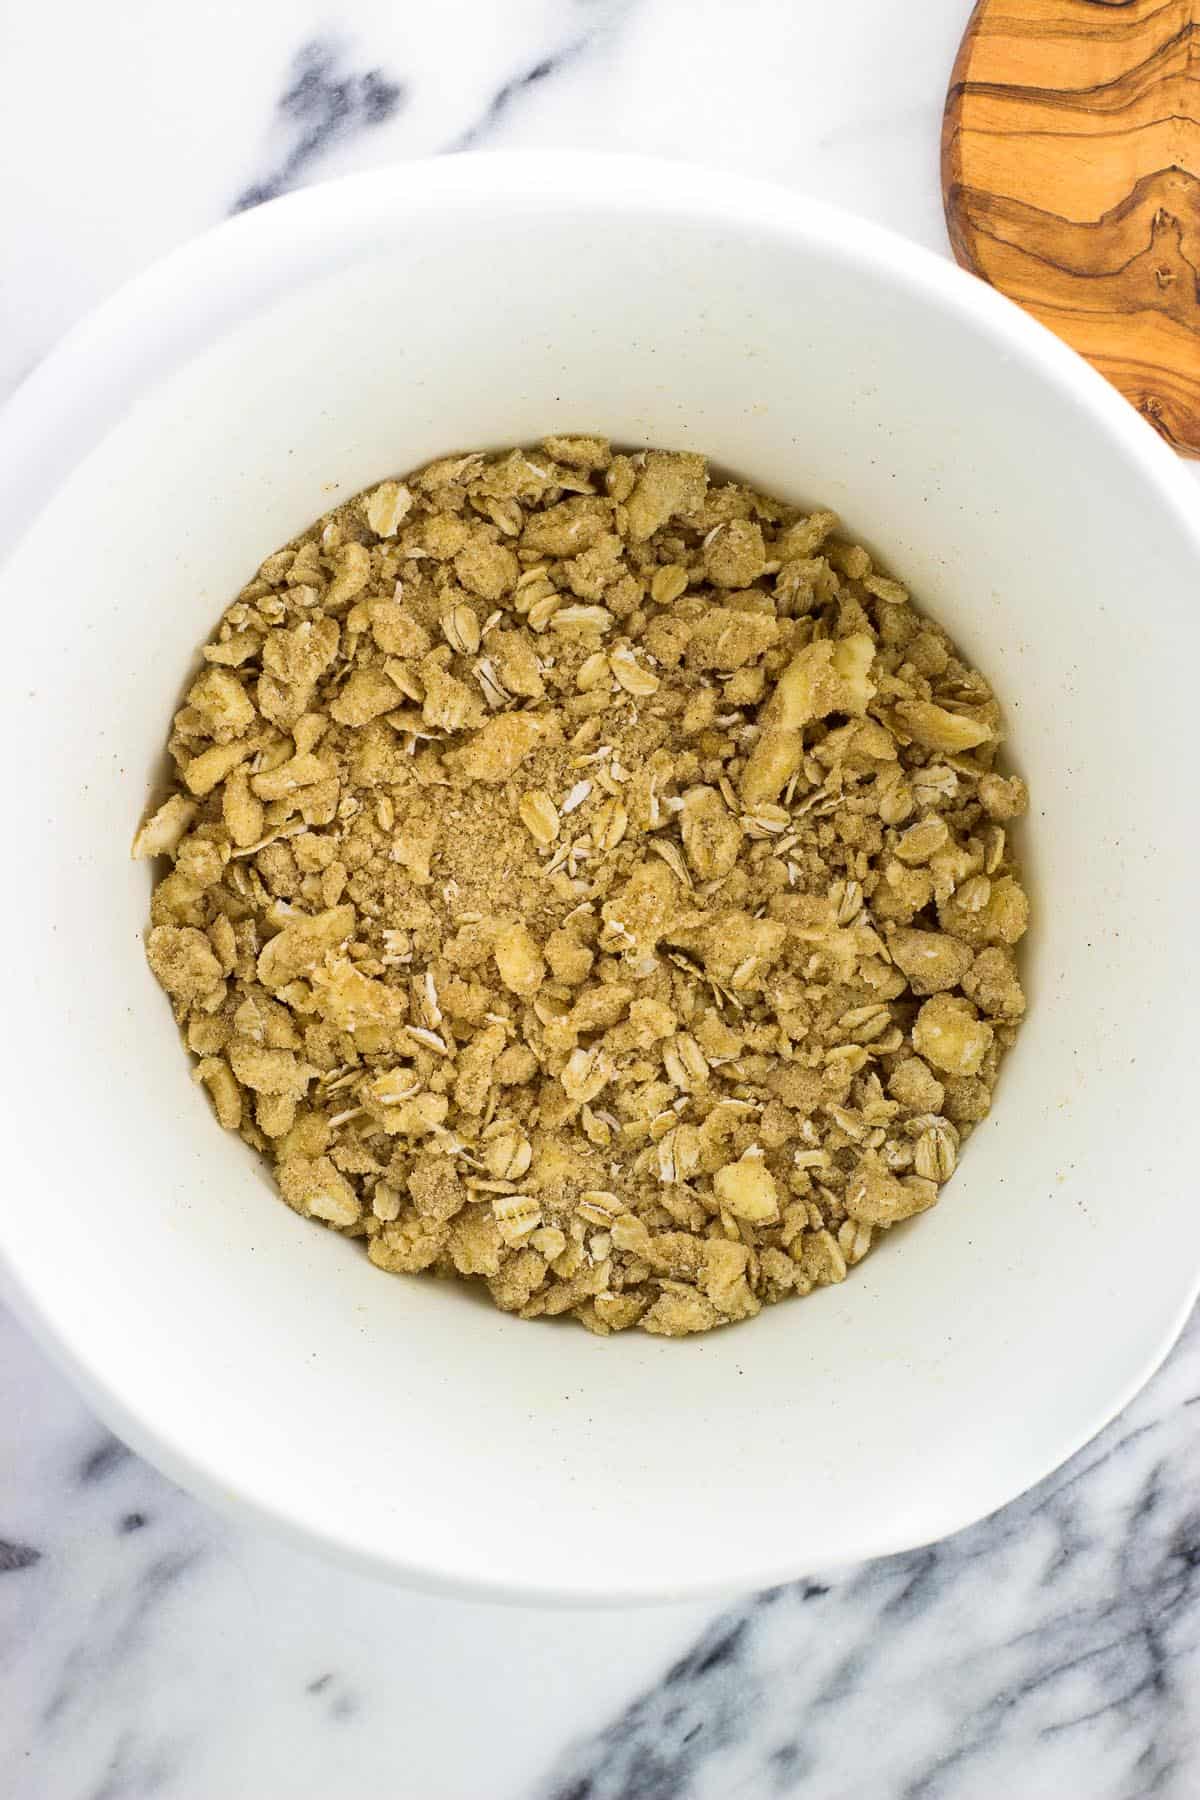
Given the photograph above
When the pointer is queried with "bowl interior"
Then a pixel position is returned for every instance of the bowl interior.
(400, 1420)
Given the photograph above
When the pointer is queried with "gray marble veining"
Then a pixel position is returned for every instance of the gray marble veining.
(147, 1646)
(323, 102)
(1051, 1650)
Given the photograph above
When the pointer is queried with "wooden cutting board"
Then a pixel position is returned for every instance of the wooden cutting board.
(1071, 180)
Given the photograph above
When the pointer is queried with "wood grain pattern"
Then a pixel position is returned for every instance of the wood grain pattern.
(1071, 181)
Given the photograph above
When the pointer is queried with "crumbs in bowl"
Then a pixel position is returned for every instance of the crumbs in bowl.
(592, 880)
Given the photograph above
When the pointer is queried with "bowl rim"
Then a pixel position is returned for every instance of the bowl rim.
(185, 301)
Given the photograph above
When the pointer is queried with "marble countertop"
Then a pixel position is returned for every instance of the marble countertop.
(151, 1648)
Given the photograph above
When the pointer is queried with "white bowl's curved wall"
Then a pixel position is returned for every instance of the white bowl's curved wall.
(484, 302)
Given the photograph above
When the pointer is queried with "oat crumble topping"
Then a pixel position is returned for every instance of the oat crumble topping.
(592, 879)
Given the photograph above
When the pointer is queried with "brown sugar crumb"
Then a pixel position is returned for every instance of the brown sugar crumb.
(594, 881)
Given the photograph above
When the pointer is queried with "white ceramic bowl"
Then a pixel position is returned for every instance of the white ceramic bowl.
(259, 375)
